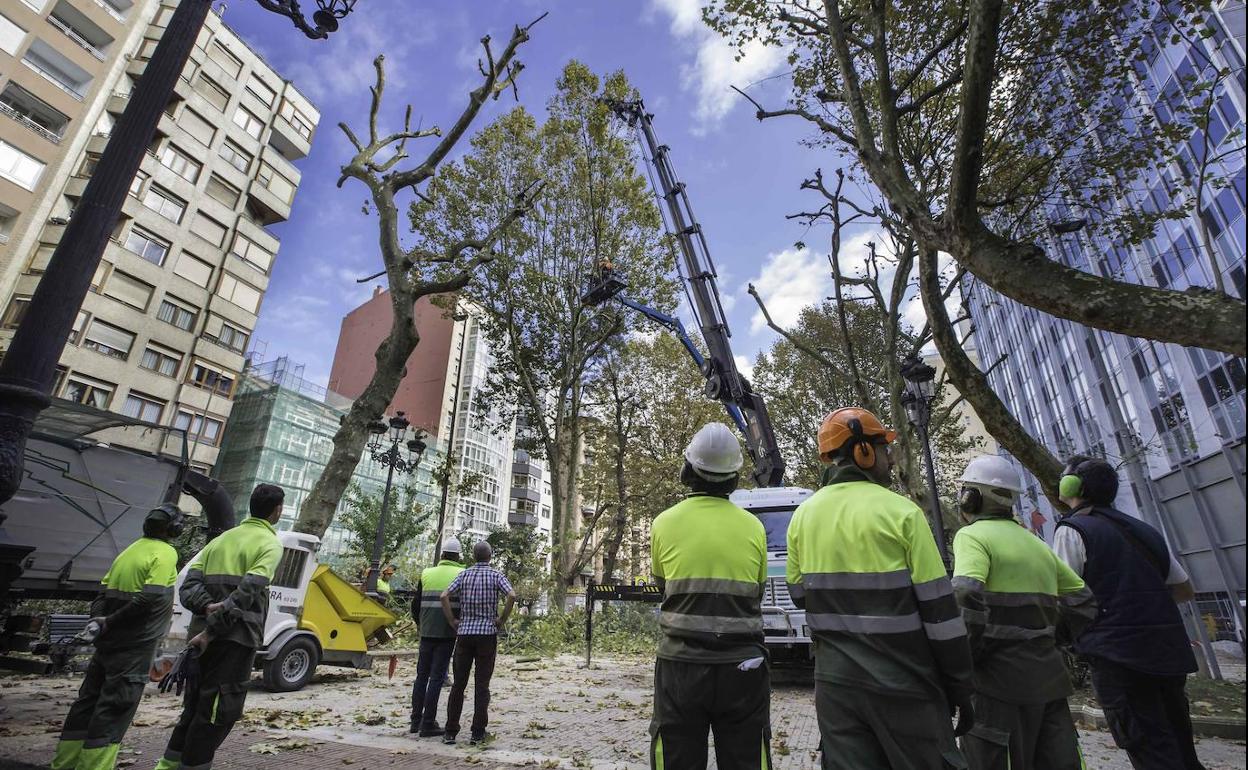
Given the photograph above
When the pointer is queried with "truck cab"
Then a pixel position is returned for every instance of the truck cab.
(315, 617)
(784, 624)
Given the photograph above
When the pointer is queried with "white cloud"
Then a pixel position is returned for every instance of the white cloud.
(789, 281)
(715, 66)
(744, 366)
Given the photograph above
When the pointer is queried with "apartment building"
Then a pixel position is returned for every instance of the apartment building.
(161, 335)
(1172, 418)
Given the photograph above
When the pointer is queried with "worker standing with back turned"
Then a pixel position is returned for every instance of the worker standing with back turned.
(711, 674)
(128, 619)
(892, 660)
(1137, 648)
(1018, 600)
(437, 638)
(227, 589)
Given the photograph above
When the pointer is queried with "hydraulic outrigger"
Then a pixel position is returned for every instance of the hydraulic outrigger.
(697, 271)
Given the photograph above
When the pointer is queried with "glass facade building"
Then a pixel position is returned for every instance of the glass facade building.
(281, 432)
(1156, 410)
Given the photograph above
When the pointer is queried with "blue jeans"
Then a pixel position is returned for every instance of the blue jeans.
(431, 666)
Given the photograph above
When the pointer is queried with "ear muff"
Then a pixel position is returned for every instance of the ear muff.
(971, 501)
(177, 520)
(1070, 485)
(863, 453)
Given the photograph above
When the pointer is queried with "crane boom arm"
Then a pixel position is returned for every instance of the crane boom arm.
(724, 381)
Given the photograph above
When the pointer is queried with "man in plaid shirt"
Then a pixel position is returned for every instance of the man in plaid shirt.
(478, 588)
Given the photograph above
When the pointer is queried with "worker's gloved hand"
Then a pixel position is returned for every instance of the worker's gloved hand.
(184, 674)
(960, 704)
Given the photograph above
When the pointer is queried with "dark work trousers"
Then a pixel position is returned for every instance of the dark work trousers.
(98, 719)
(431, 665)
(475, 652)
(1148, 716)
(692, 699)
(1032, 736)
(211, 707)
(863, 730)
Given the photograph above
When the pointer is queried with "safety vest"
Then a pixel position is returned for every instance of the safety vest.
(235, 568)
(383, 586)
(1014, 592)
(878, 603)
(712, 557)
(137, 594)
(433, 581)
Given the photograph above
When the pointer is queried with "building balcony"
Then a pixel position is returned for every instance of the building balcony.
(79, 28)
(268, 207)
(288, 140)
(526, 467)
(31, 112)
(116, 11)
(517, 519)
(525, 493)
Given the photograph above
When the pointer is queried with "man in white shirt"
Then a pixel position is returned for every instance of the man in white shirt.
(1137, 647)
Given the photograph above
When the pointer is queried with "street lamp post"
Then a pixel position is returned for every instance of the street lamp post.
(917, 401)
(29, 366)
(392, 457)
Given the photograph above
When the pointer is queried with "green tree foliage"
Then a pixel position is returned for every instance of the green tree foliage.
(407, 522)
(595, 208)
(982, 122)
(520, 553)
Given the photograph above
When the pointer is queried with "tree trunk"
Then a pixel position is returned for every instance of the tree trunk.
(973, 385)
(620, 524)
(318, 509)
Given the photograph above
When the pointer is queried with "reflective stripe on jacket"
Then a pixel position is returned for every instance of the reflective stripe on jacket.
(427, 606)
(235, 569)
(878, 603)
(136, 596)
(712, 557)
(1015, 594)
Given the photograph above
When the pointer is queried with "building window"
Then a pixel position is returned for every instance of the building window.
(198, 428)
(136, 184)
(213, 93)
(82, 390)
(11, 36)
(161, 361)
(128, 289)
(222, 191)
(15, 312)
(89, 162)
(232, 65)
(18, 167)
(244, 295)
(261, 91)
(108, 339)
(298, 121)
(147, 246)
(193, 269)
(165, 204)
(175, 311)
(199, 128)
(225, 335)
(143, 408)
(208, 228)
(180, 163)
(277, 184)
(236, 156)
(80, 323)
(246, 120)
(252, 253)
(211, 378)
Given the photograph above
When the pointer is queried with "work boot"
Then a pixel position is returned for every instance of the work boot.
(430, 731)
(448, 739)
(477, 739)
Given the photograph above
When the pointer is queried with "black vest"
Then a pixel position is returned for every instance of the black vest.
(1138, 625)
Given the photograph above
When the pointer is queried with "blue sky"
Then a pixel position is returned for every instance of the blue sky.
(742, 175)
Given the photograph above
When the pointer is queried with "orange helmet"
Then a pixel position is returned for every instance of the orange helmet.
(854, 426)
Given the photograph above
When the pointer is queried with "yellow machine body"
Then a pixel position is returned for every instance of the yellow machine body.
(342, 617)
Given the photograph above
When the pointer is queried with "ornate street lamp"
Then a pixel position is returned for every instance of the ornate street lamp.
(28, 369)
(917, 401)
(385, 445)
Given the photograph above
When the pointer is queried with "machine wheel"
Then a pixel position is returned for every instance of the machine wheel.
(293, 666)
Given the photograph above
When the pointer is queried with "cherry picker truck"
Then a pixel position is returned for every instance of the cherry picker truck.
(784, 624)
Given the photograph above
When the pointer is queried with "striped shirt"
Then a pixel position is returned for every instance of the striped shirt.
(479, 588)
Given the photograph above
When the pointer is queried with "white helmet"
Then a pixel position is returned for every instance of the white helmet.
(992, 471)
(714, 453)
(452, 545)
